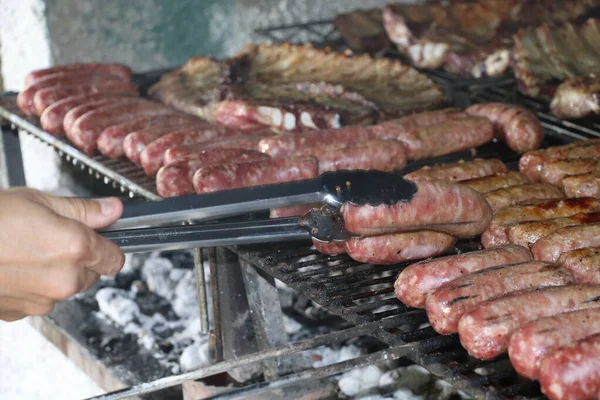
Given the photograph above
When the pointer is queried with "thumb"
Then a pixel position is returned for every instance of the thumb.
(96, 214)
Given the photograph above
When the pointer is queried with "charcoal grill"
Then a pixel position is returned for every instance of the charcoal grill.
(361, 294)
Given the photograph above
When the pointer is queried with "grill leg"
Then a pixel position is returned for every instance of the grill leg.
(11, 163)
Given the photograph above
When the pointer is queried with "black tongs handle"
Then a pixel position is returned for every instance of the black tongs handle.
(334, 188)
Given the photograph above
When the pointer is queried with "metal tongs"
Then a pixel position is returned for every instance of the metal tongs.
(192, 221)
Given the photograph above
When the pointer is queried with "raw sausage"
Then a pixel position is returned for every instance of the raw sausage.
(555, 171)
(573, 372)
(519, 128)
(445, 206)
(497, 232)
(418, 280)
(450, 302)
(183, 153)
(176, 179)
(399, 247)
(528, 233)
(550, 247)
(459, 171)
(497, 181)
(152, 157)
(110, 141)
(584, 264)
(509, 196)
(530, 344)
(264, 172)
(393, 128)
(331, 248)
(587, 185)
(485, 331)
(73, 114)
(291, 211)
(119, 70)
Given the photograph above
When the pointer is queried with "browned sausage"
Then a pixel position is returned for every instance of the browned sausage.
(182, 153)
(396, 127)
(497, 181)
(399, 247)
(528, 233)
(445, 206)
(587, 185)
(512, 195)
(550, 247)
(555, 171)
(518, 127)
(584, 264)
(459, 171)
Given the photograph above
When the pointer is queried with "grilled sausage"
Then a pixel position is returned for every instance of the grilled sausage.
(53, 117)
(444, 206)
(331, 248)
(446, 138)
(45, 98)
(584, 264)
(284, 145)
(152, 157)
(382, 155)
(550, 247)
(183, 153)
(450, 302)
(587, 185)
(110, 141)
(518, 127)
(573, 372)
(531, 163)
(78, 111)
(555, 171)
(528, 233)
(399, 247)
(58, 80)
(393, 128)
(264, 172)
(418, 280)
(118, 70)
(176, 179)
(497, 232)
(496, 181)
(85, 131)
(459, 171)
(532, 342)
(485, 331)
(509, 196)
(291, 211)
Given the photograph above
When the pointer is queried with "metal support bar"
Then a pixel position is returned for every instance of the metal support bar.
(11, 162)
(201, 290)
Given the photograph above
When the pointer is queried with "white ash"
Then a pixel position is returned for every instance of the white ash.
(291, 326)
(118, 305)
(185, 301)
(360, 380)
(156, 273)
(195, 356)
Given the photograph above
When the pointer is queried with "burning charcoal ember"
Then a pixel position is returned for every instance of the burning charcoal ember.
(195, 356)
(118, 305)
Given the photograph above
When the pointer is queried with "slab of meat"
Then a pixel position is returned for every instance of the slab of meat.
(59, 80)
(496, 181)
(528, 233)
(237, 175)
(512, 195)
(188, 152)
(459, 171)
(576, 98)
(550, 247)
(584, 264)
(363, 30)
(331, 248)
(532, 342)
(78, 111)
(176, 179)
(485, 331)
(573, 372)
(555, 171)
(401, 126)
(110, 141)
(519, 128)
(381, 155)
(497, 232)
(291, 211)
(399, 247)
(586, 185)
(152, 157)
(418, 280)
(295, 88)
(119, 70)
(446, 138)
(284, 145)
(53, 117)
(449, 303)
(531, 163)
(45, 98)
(444, 206)
(85, 131)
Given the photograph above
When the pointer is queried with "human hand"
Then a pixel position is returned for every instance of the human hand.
(49, 250)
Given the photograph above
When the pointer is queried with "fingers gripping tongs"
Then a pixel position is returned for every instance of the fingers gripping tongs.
(192, 221)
